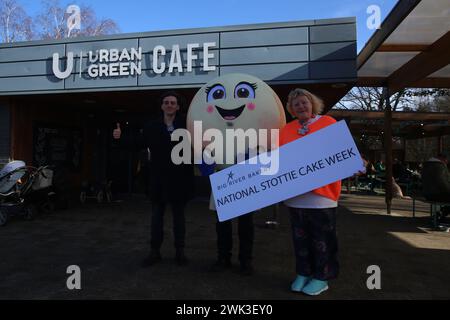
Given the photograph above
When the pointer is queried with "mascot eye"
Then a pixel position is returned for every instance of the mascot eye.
(215, 92)
(244, 90)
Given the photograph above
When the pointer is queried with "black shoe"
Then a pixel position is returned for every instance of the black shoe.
(246, 268)
(221, 265)
(180, 258)
(153, 258)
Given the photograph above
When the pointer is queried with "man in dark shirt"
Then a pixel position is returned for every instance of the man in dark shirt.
(169, 183)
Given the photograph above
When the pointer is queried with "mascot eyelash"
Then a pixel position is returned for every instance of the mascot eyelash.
(253, 85)
(208, 89)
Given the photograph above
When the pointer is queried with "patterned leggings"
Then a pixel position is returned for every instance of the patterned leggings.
(315, 242)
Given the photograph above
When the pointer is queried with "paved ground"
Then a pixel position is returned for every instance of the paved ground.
(108, 242)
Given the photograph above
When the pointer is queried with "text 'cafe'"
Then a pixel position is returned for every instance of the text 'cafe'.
(60, 100)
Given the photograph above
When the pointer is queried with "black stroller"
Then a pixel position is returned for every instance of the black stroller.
(24, 190)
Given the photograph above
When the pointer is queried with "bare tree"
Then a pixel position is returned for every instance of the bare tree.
(433, 100)
(371, 99)
(53, 22)
(15, 23)
(91, 26)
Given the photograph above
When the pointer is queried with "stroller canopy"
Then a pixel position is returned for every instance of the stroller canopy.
(10, 174)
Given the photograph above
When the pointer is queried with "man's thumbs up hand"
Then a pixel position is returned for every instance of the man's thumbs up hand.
(117, 132)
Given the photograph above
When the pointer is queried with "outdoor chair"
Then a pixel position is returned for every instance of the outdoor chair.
(435, 206)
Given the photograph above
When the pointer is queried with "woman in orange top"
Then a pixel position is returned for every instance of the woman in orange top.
(313, 214)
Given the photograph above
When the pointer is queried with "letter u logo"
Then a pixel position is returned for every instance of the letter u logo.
(69, 66)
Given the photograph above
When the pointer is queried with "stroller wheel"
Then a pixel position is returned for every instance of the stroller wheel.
(30, 212)
(108, 196)
(83, 196)
(3, 217)
(100, 197)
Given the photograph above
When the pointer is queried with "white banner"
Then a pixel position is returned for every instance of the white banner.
(305, 164)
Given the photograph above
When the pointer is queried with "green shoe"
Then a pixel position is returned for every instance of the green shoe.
(315, 287)
(299, 283)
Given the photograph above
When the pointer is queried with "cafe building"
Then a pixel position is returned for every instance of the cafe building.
(61, 99)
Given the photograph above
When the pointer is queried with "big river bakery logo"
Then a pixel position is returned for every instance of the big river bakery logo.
(232, 179)
(128, 62)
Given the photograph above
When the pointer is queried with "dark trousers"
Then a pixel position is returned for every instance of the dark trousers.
(157, 229)
(246, 236)
(315, 242)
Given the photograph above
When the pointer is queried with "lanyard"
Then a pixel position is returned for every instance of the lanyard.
(304, 126)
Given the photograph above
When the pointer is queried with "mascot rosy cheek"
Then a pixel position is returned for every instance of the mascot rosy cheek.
(235, 101)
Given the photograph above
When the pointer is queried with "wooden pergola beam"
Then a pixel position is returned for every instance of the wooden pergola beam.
(423, 83)
(397, 116)
(371, 82)
(388, 147)
(406, 132)
(401, 10)
(432, 83)
(402, 48)
(425, 63)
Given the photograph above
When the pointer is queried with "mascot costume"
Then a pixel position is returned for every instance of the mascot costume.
(235, 101)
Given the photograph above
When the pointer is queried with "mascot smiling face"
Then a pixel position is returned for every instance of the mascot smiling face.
(236, 101)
